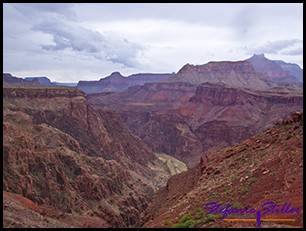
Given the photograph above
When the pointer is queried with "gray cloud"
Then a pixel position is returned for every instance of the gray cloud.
(193, 13)
(32, 10)
(273, 47)
(70, 35)
(61, 23)
(243, 28)
(293, 51)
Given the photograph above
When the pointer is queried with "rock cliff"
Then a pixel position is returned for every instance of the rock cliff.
(266, 167)
(185, 120)
(234, 74)
(62, 153)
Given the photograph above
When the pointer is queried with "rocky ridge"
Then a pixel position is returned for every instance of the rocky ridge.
(265, 167)
(277, 71)
(184, 120)
(65, 155)
(116, 82)
(239, 74)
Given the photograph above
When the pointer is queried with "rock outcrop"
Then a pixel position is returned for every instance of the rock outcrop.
(277, 71)
(8, 79)
(185, 120)
(62, 153)
(43, 80)
(292, 68)
(266, 167)
(239, 74)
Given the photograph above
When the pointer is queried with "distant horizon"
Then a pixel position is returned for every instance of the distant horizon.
(173, 72)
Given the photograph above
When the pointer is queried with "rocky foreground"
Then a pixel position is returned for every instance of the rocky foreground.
(267, 167)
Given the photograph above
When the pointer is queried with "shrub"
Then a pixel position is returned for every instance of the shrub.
(166, 222)
(227, 191)
(252, 180)
(245, 190)
(185, 218)
(187, 224)
(180, 225)
(238, 159)
(198, 215)
(210, 217)
(236, 205)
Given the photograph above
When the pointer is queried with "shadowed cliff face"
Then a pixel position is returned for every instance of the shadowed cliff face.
(65, 155)
(185, 120)
(266, 167)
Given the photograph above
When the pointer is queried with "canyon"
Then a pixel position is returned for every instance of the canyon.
(185, 120)
(150, 150)
(63, 157)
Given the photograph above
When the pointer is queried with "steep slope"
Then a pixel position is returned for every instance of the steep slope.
(277, 71)
(292, 68)
(21, 212)
(267, 167)
(116, 82)
(183, 120)
(239, 74)
(62, 153)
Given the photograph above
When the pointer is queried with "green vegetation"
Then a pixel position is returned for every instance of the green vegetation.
(252, 180)
(245, 190)
(185, 222)
(277, 125)
(188, 224)
(214, 196)
(199, 214)
(238, 159)
(227, 191)
(166, 222)
(236, 205)
(263, 153)
(185, 218)
(210, 217)
(287, 126)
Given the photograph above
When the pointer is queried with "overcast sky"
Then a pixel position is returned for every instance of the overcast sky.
(71, 42)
